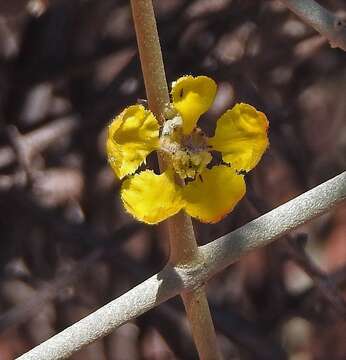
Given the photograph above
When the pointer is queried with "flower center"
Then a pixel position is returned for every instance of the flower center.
(188, 154)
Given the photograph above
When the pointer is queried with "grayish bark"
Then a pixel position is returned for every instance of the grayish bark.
(172, 280)
(325, 22)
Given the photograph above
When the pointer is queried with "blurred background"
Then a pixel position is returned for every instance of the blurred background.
(67, 246)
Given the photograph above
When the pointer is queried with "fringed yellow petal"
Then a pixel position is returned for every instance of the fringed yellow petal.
(214, 194)
(151, 198)
(132, 135)
(241, 136)
(192, 97)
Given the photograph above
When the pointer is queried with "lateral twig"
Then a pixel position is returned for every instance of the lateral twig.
(328, 24)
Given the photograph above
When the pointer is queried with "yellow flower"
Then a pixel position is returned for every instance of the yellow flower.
(210, 193)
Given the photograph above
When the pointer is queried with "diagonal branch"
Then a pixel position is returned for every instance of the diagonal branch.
(172, 280)
(325, 22)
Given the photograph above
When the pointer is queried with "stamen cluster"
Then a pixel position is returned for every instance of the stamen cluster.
(188, 154)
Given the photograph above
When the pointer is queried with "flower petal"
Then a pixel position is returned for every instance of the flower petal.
(151, 198)
(192, 97)
(214, 195)
(132, 135)
(241, 136)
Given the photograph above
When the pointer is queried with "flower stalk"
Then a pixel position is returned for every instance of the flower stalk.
(183, 246)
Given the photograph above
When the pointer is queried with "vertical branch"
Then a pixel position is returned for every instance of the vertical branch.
(183, 246)
(202, 327)
(151, 56)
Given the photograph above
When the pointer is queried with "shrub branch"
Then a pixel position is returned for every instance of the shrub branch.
(173, 280)
(324, 21)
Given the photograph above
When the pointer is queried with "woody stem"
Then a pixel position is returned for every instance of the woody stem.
(183, 246)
